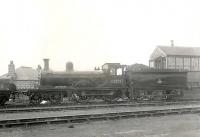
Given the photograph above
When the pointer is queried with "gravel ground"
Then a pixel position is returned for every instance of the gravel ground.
(166, 126)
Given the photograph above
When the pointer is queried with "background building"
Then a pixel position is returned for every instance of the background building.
(23, 77)
(166, 57)
(171, 57)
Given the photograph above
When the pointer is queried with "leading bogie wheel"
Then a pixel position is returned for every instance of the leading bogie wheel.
(36, 99)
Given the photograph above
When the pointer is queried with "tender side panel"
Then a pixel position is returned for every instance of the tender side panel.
(157, 80)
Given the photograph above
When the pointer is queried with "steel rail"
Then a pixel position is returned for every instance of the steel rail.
(97, 103)
(82, 107)
(97, 117)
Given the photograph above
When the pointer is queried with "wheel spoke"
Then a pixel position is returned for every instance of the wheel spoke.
(36, 99)
(55, 98)
(81, 99)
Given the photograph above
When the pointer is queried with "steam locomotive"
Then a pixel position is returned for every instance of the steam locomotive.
(113, 82)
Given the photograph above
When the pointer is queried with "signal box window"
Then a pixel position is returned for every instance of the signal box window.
(113, 71)
(119, 71)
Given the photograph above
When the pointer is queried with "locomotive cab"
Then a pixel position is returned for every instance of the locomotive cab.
(115, 72)
(114, 69)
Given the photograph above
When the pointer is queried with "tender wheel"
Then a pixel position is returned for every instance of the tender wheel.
(84, 98)
(36, 99)
(55, 98)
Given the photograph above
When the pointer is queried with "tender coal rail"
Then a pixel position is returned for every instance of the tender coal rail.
(82, 107)
(97, 117)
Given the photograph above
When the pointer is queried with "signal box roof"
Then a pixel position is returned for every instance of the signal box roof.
(164, 51)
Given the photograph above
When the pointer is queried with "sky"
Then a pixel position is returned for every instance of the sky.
(92, 32)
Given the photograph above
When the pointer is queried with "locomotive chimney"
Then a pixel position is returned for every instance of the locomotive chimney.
(46, 64)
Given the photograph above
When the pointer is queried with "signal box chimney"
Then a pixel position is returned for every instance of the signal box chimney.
(172, 43)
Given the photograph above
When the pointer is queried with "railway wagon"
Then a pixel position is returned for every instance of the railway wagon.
(156, 84)
(108, 84)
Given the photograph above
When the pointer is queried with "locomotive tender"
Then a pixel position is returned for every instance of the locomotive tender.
(112, 82)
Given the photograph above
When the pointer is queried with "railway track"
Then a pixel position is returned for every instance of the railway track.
(71, 119)
(87, 106)
(27, 105)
